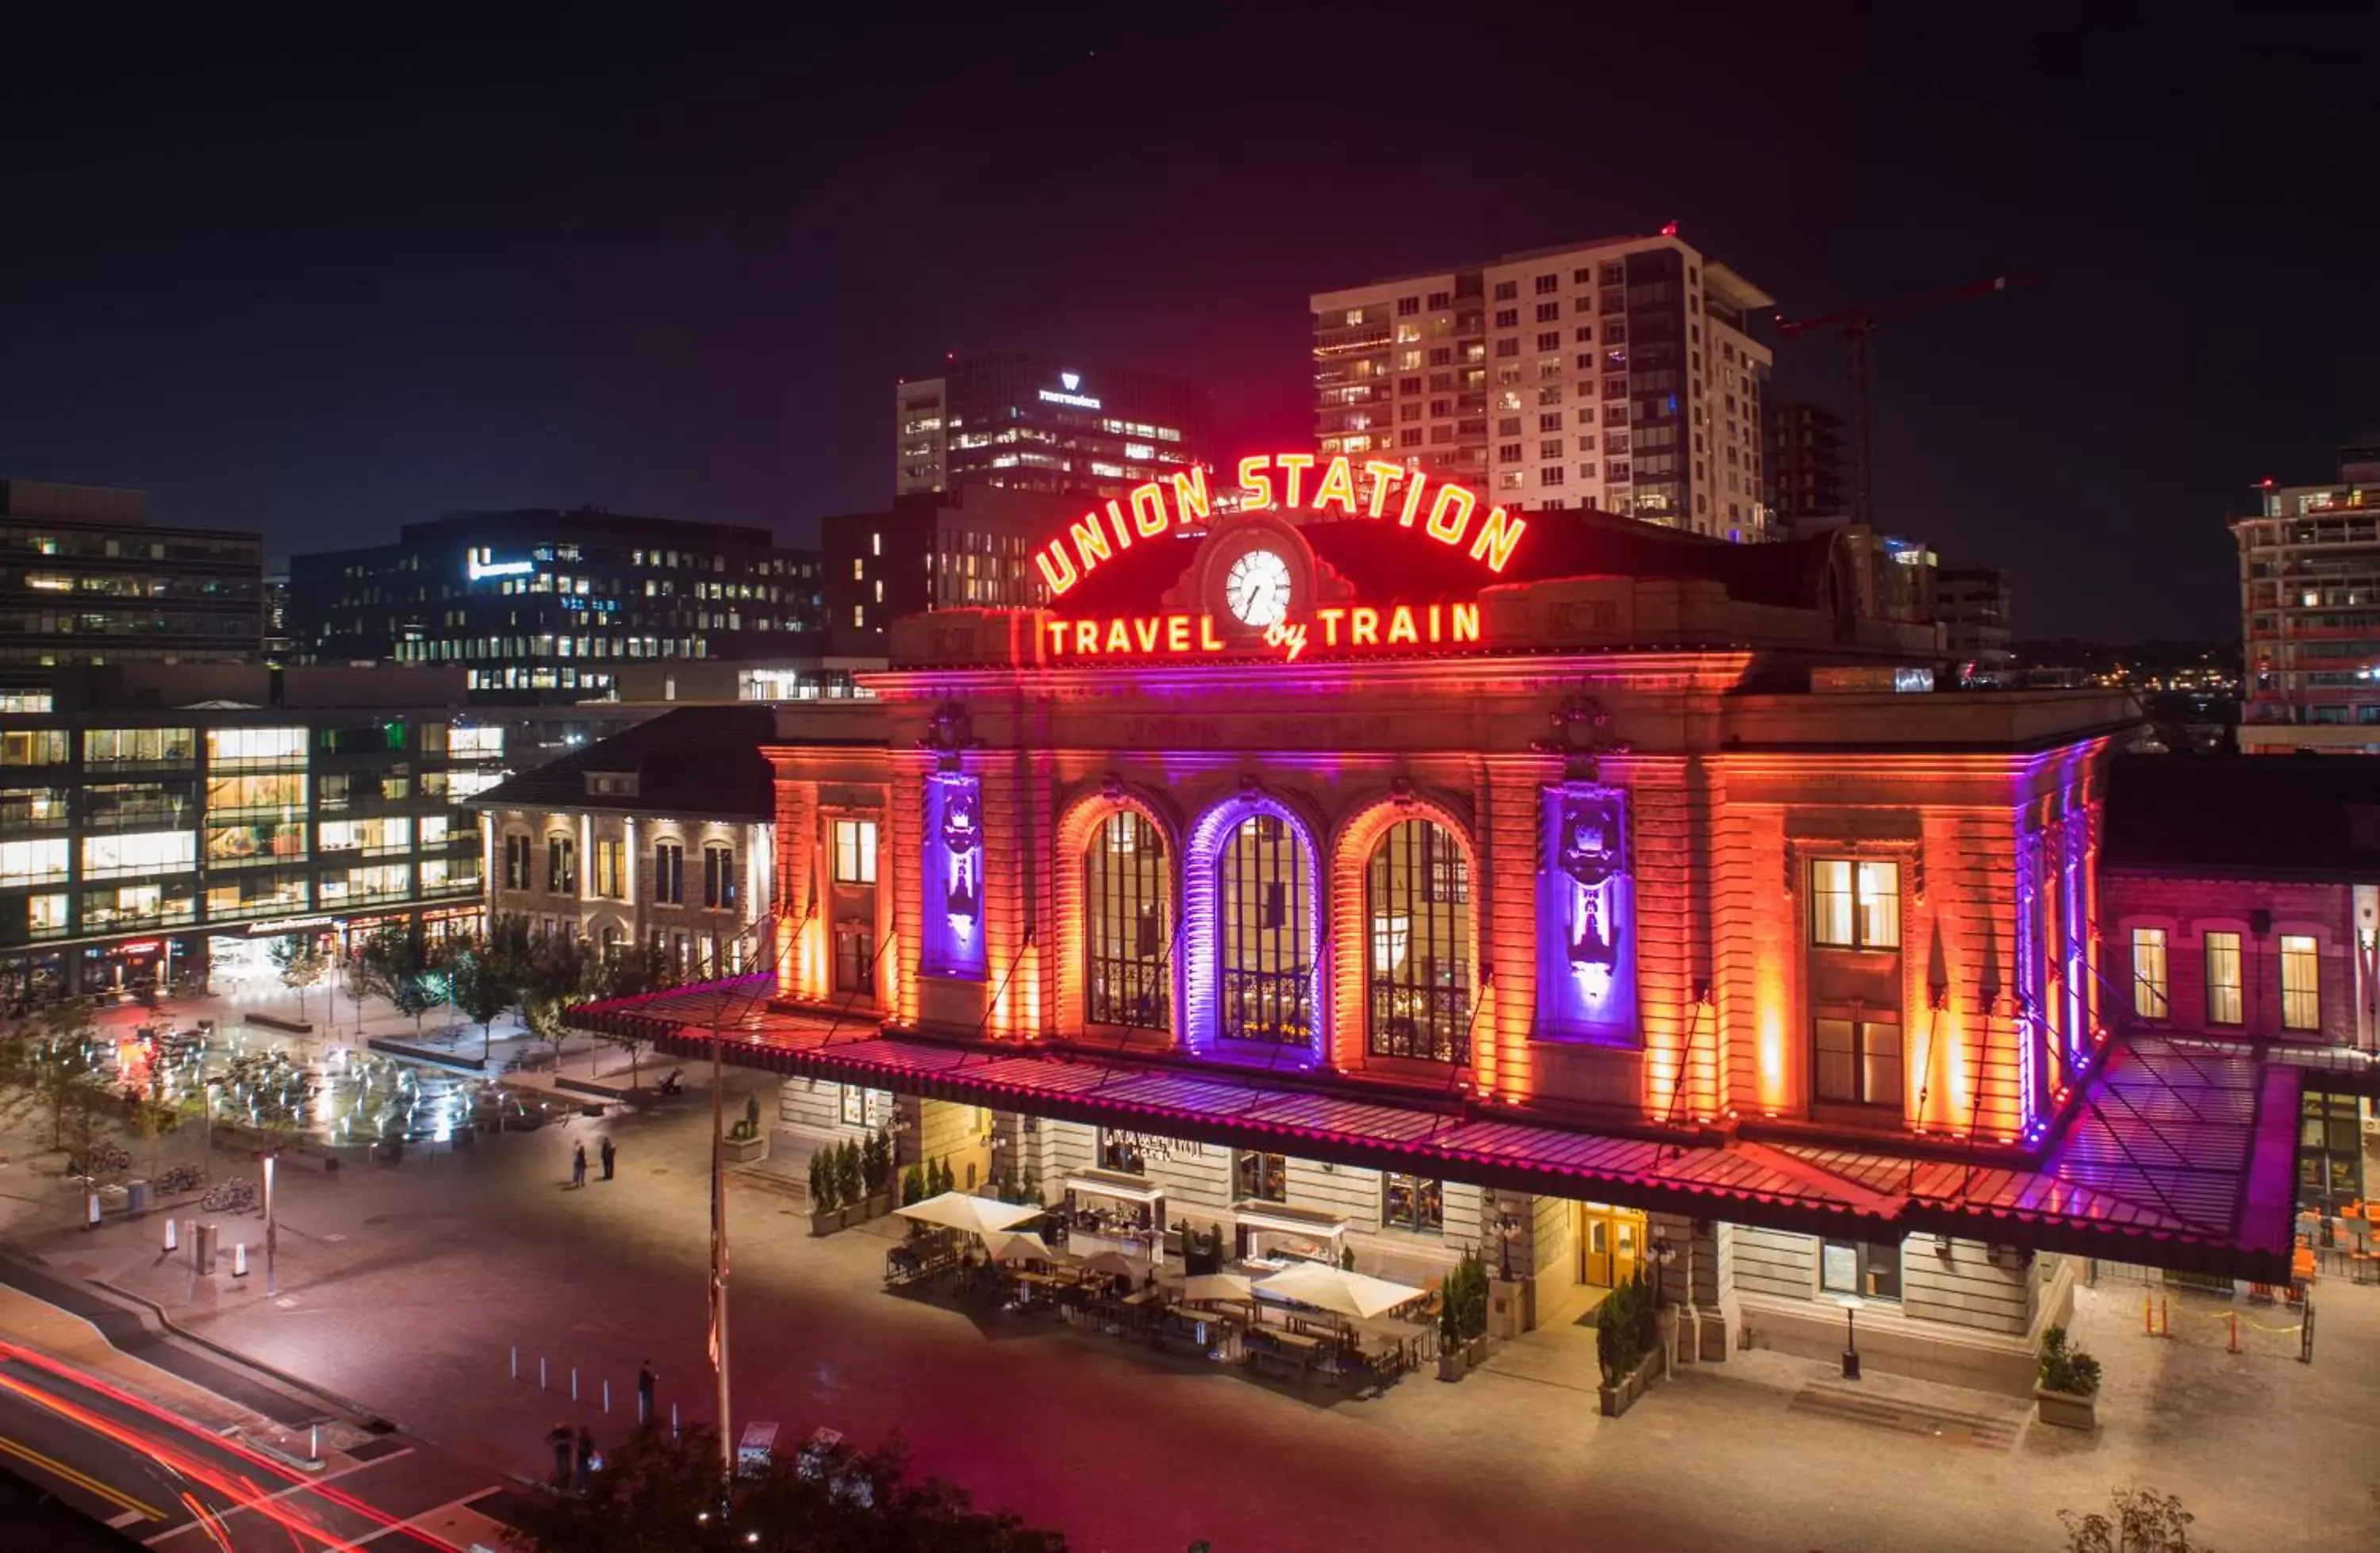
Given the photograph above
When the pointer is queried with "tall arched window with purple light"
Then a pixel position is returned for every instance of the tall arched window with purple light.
(1586, 918)
(1254, 942)
(952, 941)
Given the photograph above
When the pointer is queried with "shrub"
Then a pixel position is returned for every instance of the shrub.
(848, 1183)
(913, 1185)
(2066, 1368)
(823, 1194)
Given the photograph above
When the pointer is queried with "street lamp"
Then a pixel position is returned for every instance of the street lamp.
(1852, 1303)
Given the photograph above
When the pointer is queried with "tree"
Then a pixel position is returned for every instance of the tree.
(632, 970)
(663, 1495)
(479, 989)
(301, 964)
(2144, 1522)
(560, 973)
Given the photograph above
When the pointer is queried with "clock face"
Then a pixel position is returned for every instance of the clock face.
(1256, 590)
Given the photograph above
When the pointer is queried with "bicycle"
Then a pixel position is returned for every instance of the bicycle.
(181, 1178)
(229, 1197)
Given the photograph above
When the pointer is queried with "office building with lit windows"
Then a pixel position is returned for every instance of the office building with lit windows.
(160, 825)
(967, 548)
(1619, 375)
(1370, 873)
(86, 578)
(540, 606)
(1027, 421)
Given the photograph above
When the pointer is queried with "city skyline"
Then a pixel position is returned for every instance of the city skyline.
(305, 295)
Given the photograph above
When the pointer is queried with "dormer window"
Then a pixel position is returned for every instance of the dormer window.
(610, 784)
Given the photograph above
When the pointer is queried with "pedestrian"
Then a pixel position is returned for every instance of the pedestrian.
(579, 1165)
(585, 1458)
(560, 1438)
(608, 1151)
(646, 1381)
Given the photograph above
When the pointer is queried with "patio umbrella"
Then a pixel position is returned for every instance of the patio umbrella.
(979, 1216)
(1215, 1286)
(1336, 1290)
(1016, 1246)
(1115, 1262)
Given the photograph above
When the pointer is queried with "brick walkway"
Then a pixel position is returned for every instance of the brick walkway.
(407, 1287)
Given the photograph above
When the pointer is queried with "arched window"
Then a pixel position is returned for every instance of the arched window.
(1417, 953)
(1125, 949)
(1266, 901)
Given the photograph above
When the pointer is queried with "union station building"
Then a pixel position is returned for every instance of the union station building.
(1356, 867)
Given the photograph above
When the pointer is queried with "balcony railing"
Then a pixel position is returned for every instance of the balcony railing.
(1271, 1007)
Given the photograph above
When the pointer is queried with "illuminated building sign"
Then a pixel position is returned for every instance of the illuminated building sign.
(953, 939)
(1068, 396)
(1585, 917)
(1441, 511)
(477, 564)
(1352, 627)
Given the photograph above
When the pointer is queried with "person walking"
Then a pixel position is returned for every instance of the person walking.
(607, 1151)
(585, 1458)
(560, 1438)
(579, 1165)
(646, 1381)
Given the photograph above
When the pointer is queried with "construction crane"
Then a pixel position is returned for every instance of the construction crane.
(1857, 324)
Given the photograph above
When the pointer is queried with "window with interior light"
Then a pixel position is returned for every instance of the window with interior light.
(2300, 982)
(2224, 1002)
(1854, 904)
(2149, 981)
(1124, 937)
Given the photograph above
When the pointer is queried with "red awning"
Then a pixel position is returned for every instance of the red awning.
(2178, 1155)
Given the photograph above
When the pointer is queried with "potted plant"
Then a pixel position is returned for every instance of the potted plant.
(1474, 1275)
(850, 1183)
(825, 1214)
(2067, 1390)
(1450, 1352)
(746, 1140)
(1627, 1344)
(875, 1170)
(913, 1185)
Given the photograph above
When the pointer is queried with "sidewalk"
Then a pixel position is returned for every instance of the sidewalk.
(408, 1286)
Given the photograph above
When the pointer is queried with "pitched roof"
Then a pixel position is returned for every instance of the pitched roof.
(693, 761)
(2285, 816)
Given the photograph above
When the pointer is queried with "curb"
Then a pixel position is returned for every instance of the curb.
(369, 1416)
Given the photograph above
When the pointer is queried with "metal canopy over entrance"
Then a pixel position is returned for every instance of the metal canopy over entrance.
(2175, 1156)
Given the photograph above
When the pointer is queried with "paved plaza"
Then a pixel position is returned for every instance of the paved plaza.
(407, 1287)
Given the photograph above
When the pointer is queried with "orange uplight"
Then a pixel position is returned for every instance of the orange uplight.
(1769, 991)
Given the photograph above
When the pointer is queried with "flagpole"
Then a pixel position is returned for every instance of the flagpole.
(719, 1233)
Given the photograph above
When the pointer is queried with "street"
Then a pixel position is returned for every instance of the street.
(418, 1288)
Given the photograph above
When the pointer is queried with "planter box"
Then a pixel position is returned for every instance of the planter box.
(881, 1204)
(743, 1151)
(1618, 1400)
(1475, 1352)
(826, 1222)
(1451, 1363)
(2065, 1410)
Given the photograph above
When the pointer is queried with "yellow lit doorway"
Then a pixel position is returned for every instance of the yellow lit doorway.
(1610, 1244)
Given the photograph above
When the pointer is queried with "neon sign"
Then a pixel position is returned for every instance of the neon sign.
(1078, 401)
(1349, 627)
(1442, 511)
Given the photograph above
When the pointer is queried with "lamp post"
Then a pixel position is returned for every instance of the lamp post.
(1852, 1303)
(1507, 1230)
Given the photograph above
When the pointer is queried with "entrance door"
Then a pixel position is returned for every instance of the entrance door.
(1610, 1244)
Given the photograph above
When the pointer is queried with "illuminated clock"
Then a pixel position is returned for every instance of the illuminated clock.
(1256, 590)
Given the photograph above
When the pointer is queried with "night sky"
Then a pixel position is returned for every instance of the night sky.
(324, 281)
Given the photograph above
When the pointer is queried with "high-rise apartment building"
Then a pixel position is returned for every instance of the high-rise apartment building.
(2310, 613)
(542, 606)
(86, 579)
(1805, 459)
(1618, 374)
(1030, 422)
(1970, 603)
